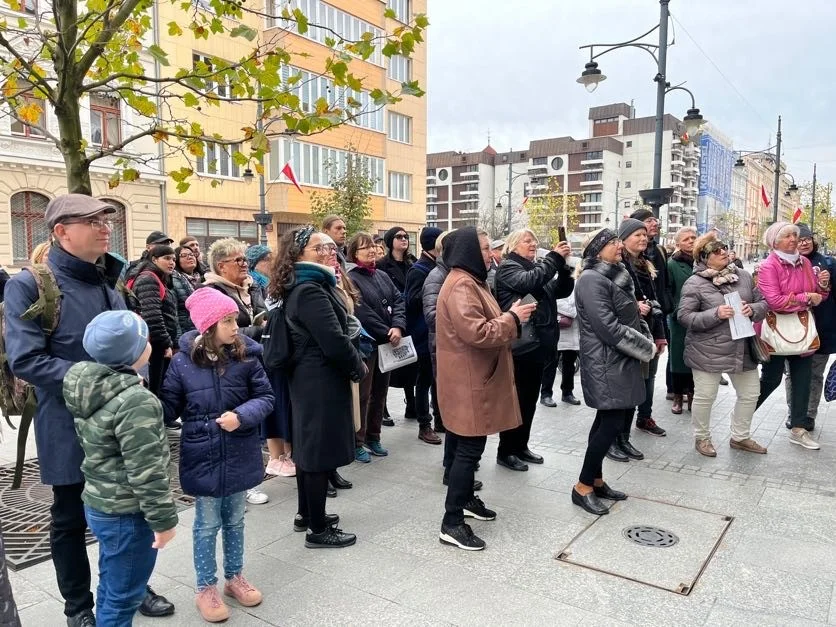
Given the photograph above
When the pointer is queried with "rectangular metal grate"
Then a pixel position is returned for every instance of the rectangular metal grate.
(25, 512)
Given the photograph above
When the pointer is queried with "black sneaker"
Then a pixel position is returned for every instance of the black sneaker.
(84, 618)
(461, 536)
(301, 524)
(648, 425)
(388, 422)
(331, 538)
(476, 509)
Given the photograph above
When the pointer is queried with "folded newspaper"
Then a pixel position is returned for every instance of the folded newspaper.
(393, 357)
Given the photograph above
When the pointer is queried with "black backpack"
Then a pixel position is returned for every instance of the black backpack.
(276, 339)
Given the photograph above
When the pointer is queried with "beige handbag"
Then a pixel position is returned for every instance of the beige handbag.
(790, 333)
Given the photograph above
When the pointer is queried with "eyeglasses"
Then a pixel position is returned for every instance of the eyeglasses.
(373, 246)
(95, 223)
(328, 248)
(186, 256)
(805, 240)
(241, 261)
(720, 250)
(402, 236)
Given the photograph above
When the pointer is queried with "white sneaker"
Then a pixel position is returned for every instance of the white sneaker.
(802, 438)
(257, 497)
(288, 468)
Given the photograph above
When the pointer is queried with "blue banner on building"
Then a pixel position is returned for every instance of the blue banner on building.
(716, 163)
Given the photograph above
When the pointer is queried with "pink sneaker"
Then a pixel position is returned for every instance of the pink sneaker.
(274, 467)
(211, 606)
(242, 591)
(288, 468)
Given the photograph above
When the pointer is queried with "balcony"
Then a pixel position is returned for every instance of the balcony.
(432, 195)
(470, 192)
(432, 180)
(538, 170)
(588, 183)
(679, 163)
(677, 184)
(469, 175)
(592, 161)
(692, 169)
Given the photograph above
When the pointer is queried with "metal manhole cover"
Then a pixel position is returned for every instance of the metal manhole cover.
(648, 535)
(25, 512)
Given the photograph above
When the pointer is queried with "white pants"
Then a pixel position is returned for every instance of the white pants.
(748, 388)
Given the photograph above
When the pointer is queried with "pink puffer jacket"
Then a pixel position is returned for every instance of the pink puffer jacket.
(785, 286)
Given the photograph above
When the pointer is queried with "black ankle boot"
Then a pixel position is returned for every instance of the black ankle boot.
(623, 444)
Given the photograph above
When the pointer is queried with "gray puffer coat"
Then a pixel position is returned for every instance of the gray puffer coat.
(432, 287)
(614, 340)
(708, 343)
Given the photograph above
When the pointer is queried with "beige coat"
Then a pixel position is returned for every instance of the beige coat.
(475, 369)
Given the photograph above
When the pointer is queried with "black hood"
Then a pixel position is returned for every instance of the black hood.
(462, 250)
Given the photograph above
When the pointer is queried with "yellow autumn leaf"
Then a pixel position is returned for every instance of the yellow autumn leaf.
(259, 169)
(159, 136)
(10, 88)
(30, 113)
(196, 149)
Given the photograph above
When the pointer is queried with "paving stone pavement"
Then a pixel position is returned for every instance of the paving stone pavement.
(776, 565)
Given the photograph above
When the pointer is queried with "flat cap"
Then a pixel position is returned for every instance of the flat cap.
(74, 206)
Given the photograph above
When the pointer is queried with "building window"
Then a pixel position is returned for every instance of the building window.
(400, 68)
(629, 144)
(628, 185)
(119, 232)
(20, 128)
(105, 120)
(539, 161)
(598, 154)
(626, 204)
(30, 7)
(331, 23)
(314, 165)
(557, 163)
(208, 231)
(401, 9)
(628, 164)
(592, 197)
(217, 160)
(309, 88)
(443, 175)
(592, 176)
(216, 85)
(400, 128)
(28, 224)
(400, 186)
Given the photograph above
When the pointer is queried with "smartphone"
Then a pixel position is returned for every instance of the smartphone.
(528, 299)
(259, 318)
(561, 234)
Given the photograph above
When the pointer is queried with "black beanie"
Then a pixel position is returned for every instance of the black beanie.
(641, 214)
(428, 236)
(389, 236)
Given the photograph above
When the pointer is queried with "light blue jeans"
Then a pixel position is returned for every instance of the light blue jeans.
(212, 514)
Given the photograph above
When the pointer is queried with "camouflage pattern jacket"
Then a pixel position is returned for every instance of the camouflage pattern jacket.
(126, 457)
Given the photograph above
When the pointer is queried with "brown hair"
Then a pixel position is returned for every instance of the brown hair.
(282, 275)
(348, 287)
(359, 240)
(328, 221)
(208, 353)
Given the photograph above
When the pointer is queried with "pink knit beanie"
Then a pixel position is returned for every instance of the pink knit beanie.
(207, 306)
(771, 234)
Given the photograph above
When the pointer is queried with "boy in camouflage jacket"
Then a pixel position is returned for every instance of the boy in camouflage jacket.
(127, 498)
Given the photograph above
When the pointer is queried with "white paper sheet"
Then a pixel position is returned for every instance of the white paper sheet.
(740, 325)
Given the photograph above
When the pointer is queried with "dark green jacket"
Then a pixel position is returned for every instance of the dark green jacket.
(679, 271)
(126, 457)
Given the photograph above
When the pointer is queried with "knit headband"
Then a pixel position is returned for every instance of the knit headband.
(303, 236)
(597, 242)
(711, 247)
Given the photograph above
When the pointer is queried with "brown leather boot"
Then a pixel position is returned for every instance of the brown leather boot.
(676, 408)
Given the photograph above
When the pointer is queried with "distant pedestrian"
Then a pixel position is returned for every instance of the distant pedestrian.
(218, 387)
(614, 343)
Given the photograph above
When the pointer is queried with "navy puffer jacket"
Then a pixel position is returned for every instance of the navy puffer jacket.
(214, 462)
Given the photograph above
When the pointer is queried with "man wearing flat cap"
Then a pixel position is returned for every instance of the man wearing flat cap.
(85, 275)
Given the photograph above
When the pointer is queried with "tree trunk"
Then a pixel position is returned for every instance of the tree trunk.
(68, 114)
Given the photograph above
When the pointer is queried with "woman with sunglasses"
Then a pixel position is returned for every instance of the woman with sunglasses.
(229, 273)
(710, 350)
(324, 367)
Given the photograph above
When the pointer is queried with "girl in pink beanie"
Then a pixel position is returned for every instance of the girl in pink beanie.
(218, 387)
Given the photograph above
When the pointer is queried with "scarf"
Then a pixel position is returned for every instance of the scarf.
(370, 268)
(788, 257)
(259, 279)
(239, 292)
(307, 272)
(725, 276)
(642, 273)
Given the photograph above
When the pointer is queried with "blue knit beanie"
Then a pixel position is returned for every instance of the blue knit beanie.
(116, 338)
(256, 253)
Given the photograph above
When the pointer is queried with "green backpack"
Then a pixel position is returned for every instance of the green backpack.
(17, 397)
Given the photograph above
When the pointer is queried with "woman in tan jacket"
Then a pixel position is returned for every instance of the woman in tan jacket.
(475, 375)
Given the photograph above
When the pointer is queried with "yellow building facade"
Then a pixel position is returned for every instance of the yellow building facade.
(392, 140)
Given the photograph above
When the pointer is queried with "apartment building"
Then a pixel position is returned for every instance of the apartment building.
(460, 187)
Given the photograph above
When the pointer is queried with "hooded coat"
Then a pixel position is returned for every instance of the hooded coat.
(126, 455)
(475, 379)
(214, 462)
(613, 340)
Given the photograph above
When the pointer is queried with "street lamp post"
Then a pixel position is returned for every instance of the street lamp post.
(511, 178)
(591, 76)
(777, 182)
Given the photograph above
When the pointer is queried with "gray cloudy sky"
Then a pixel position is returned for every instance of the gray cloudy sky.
(511, 66)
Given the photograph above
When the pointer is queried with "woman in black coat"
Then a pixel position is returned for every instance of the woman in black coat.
(382, 313)
(325, 363)
(520, 276)
(614, 341)
(155, 301)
